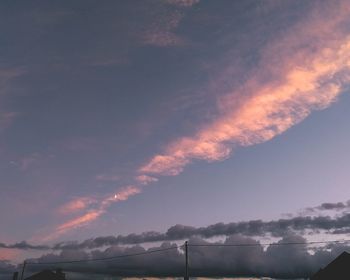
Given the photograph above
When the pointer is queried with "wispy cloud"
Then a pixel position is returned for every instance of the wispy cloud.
(7, 75)
(161, 31)
(6, 118)
(75, 205)
(162, 38)
(94, 208)
(183, 3)
(107, 177)
(77, 222)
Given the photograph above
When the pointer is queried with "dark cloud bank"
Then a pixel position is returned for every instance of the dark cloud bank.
(277, 228)
(254, 228)
(282, 262)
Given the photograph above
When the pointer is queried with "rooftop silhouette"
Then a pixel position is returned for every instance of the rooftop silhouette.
(48, 275)
(338, 269)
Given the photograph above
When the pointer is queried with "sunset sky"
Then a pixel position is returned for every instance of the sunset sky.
(124, 117)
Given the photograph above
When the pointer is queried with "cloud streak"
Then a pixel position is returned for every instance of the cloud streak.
(76, 205)
(92, 213)
(305, 79)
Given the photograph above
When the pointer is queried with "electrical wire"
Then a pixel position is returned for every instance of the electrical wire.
(107, 258)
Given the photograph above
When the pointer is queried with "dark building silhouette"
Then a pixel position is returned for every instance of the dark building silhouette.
(48, 275)
(338, 269)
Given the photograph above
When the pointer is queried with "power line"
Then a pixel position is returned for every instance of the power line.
(107, 258)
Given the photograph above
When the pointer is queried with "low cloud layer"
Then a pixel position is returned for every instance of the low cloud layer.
(276, 261)
(276, 228)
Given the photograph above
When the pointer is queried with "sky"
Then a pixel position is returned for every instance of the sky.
(167, 120)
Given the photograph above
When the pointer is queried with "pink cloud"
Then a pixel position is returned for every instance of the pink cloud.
(75, 223)
(145, 179)
(126, 192)
(90, 215)
(306, 79)
(121, 195)
(76, 205)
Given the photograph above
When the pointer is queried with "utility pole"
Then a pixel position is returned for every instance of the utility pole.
(24, 265)
(186, 261)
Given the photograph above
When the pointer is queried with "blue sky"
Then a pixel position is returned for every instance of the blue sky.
(120, 117)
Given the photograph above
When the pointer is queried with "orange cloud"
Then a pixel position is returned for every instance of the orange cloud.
(306, 79)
